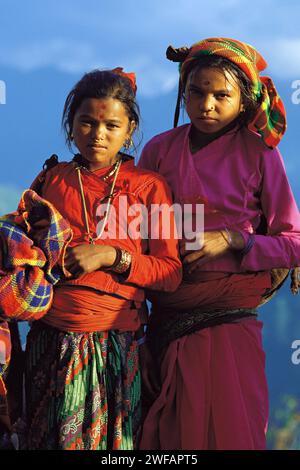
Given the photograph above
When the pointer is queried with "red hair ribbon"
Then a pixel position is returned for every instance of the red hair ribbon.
(130, 76)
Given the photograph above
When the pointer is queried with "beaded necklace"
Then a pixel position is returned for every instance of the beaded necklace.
(115, 171)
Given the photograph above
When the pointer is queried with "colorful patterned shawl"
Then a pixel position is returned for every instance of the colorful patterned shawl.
(32, 244)
(34, 240)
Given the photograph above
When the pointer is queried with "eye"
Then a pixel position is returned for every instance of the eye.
(222, 95)
(84, 122)
(195, 92)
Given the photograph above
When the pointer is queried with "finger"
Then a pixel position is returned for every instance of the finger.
(198, 263)
(295, 283)
(69, 251)
(73, 268)
(69, 258)
(295, 289)
(295, 274)
(68, 273)
(190, 258)
(182, 248)
(69, 263)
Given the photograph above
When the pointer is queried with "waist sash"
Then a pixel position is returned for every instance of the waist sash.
(178, 324)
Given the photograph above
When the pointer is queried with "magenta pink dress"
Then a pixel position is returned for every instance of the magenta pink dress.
(214, 392)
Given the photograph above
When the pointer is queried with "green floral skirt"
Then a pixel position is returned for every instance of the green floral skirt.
(82, 390)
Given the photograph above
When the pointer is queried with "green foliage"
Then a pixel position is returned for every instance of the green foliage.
(284, 429)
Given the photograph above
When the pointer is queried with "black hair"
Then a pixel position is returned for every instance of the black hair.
(249, 100)
(99, 84)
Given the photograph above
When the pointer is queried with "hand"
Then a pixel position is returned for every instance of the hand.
(215, 244)
(150, 375)
(84, 259)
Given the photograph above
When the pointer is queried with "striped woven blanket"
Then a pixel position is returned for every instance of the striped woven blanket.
(33, 241)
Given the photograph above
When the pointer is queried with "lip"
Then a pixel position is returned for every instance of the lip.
(208, 119)
(97, 147)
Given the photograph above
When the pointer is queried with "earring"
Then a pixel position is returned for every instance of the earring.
(71, 137)
(128, 143)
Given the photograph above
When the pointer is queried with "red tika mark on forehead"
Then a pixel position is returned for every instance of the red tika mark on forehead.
(101, 116)
(103, 106)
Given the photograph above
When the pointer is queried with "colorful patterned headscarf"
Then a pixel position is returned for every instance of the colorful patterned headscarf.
(270, 118)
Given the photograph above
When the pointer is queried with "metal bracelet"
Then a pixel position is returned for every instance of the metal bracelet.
(124, 263)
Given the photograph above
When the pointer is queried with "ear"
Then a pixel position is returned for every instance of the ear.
(131, 129)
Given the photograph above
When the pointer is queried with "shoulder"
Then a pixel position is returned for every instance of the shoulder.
(162, 148)
(166, 138)
(49, 172)
(256, 143)
(153, 187)
(60, 170)
(143, 181)
(143, 177)
(256, 151)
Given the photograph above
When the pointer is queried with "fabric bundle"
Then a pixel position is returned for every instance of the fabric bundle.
(34, 240)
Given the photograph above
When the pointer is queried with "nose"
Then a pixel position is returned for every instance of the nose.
(98, 133)
(207, 103)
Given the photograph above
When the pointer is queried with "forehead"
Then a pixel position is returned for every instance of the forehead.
(213, 77)
(105, 107)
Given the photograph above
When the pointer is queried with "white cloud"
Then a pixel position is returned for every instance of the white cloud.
(75, 38)
(154, 77)
(67, 55)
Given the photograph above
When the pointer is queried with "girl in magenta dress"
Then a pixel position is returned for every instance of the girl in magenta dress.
(206, 336)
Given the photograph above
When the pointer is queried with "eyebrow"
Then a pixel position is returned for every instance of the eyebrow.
(116, 120)
(195, 87)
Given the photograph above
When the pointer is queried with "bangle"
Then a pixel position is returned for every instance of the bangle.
(122, 262)
(141, 341)
(249, 244)
(117, 259)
